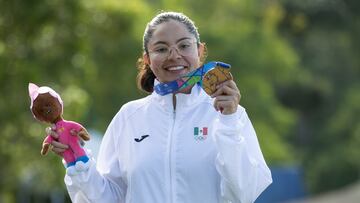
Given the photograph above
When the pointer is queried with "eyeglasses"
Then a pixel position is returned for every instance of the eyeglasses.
(184, 48)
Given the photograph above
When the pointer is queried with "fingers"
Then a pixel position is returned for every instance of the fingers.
(227, 88)
(48, 130)
(58, 147)
(52, 132)
(227, 97)
(55, 146)
(225, 107)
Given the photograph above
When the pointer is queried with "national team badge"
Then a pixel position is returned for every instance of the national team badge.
(200, 133)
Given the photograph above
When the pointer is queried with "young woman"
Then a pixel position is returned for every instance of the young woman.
(181, 147)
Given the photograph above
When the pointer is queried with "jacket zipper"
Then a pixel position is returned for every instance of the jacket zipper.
(170, 153)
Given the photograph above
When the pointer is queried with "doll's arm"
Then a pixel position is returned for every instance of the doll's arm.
(45, 148)
(78, 130)
(82, 133)
(46, 144)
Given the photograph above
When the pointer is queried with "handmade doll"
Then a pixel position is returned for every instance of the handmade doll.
(47, 106)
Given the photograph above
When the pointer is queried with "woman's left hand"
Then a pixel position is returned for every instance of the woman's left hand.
(227, 97)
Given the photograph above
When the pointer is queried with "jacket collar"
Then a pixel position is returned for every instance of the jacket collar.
(182, 100)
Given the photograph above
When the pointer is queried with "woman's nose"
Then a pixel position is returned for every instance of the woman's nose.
(174, 53)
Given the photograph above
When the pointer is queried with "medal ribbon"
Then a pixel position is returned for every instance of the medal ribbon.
(188, 79)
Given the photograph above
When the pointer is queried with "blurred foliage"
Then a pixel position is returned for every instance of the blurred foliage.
(295, 62)
(325, 35)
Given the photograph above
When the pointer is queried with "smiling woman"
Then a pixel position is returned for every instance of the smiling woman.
(163, 147)
(166, 63)
(172, 47)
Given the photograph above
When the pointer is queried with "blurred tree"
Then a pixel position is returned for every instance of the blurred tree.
(37, 43)
(326, 36)
(81, 49)
(87, 51)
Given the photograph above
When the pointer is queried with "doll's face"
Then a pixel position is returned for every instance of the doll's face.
(47, 108)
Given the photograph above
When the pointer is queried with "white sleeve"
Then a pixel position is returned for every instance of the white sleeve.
(240, 163)
(102, 182)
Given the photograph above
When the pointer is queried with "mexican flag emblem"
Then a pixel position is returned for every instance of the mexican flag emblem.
(200, 133)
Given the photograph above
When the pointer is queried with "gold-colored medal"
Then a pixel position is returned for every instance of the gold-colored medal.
(214, 77)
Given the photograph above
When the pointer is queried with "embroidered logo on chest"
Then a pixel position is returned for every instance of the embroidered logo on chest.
(200, 133)
(141, 139)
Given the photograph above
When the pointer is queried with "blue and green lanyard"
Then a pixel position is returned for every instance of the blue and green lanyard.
(195, 76)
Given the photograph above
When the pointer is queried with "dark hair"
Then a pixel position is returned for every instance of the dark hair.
(145, 77)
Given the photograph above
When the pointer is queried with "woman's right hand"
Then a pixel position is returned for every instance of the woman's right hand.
(56, 146)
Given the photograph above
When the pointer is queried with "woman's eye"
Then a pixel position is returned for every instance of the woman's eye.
(161, 50)
(184, 46)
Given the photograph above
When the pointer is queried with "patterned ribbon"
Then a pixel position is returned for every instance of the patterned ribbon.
(189, 79)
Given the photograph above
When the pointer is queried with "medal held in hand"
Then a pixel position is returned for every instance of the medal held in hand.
(215, 76)
(208, 76)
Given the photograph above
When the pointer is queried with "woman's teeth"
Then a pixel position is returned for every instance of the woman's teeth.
(176, 68)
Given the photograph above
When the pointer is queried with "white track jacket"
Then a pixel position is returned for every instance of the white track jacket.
(152, 153)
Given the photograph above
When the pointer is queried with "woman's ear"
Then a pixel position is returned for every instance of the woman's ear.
(201, 48)
(146, 59)
(202, 52)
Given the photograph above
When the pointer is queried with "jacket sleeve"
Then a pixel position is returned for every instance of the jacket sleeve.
(102, 182)
(240, 163)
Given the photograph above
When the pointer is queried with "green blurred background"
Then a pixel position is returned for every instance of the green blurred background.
(296, 63)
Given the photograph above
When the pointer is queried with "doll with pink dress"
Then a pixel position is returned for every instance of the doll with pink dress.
(47, 106)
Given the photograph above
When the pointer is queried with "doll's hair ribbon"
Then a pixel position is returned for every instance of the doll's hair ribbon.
(195, 76)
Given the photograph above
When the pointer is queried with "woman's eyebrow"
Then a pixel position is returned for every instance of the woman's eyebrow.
(160, 42)
(181, 39)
